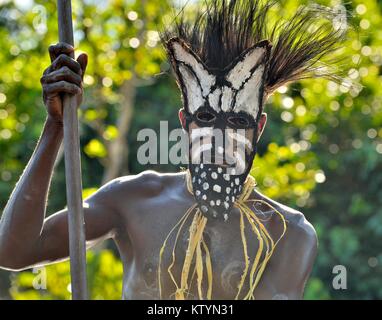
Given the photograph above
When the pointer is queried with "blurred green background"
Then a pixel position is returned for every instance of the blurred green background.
(321, 151)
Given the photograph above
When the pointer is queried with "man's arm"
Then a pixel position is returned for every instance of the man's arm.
(25, 239)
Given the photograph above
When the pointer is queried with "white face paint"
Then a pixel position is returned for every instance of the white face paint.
(248, 97)
(198, 150)
(239, 138)
(242, 71)
(206, 79)
(199, 146)
(226, 99)
(217, 188)
(214, 98)
(239, 162)
(198, 133)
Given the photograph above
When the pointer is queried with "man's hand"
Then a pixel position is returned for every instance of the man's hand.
(64, 75)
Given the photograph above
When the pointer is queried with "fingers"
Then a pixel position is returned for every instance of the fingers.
(62, 74)
(60, 57)
(83, 61)
(64, 60)
(60, 87)
(60, 48)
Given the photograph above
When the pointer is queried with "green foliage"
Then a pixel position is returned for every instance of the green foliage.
(286, 174)
(341, 128)
(104, 270)
(320, 153)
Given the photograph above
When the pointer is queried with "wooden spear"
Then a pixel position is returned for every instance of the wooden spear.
(76, 224)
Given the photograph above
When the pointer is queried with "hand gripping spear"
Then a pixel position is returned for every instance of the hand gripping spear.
(77, 247)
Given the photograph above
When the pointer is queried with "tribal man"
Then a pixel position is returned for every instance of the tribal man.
(207, 232)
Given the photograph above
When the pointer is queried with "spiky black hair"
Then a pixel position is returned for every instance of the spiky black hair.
(223, 29)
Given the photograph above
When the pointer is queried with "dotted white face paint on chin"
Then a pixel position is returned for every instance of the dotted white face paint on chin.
(212, 188)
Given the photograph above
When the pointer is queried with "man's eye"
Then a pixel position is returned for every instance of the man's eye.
(238, 121)
(205, 116)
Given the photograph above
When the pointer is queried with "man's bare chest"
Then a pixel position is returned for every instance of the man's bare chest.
(227, 253)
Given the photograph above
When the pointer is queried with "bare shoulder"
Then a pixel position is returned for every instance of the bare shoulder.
(299, 230)
(146, 184)
(295, 253)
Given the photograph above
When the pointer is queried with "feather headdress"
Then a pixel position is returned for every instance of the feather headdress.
(301, 46)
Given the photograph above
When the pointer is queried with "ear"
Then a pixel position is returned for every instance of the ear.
(247, 76)
(182, 118)
(193, 77)
(261, 125)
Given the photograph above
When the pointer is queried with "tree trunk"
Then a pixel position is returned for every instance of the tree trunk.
(118, 148)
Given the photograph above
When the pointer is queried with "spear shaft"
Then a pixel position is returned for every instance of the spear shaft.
(76, 224)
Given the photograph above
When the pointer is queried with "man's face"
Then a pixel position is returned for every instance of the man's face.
(221, 115)
(221, 151)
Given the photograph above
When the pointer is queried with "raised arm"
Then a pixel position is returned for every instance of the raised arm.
(26, 238)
